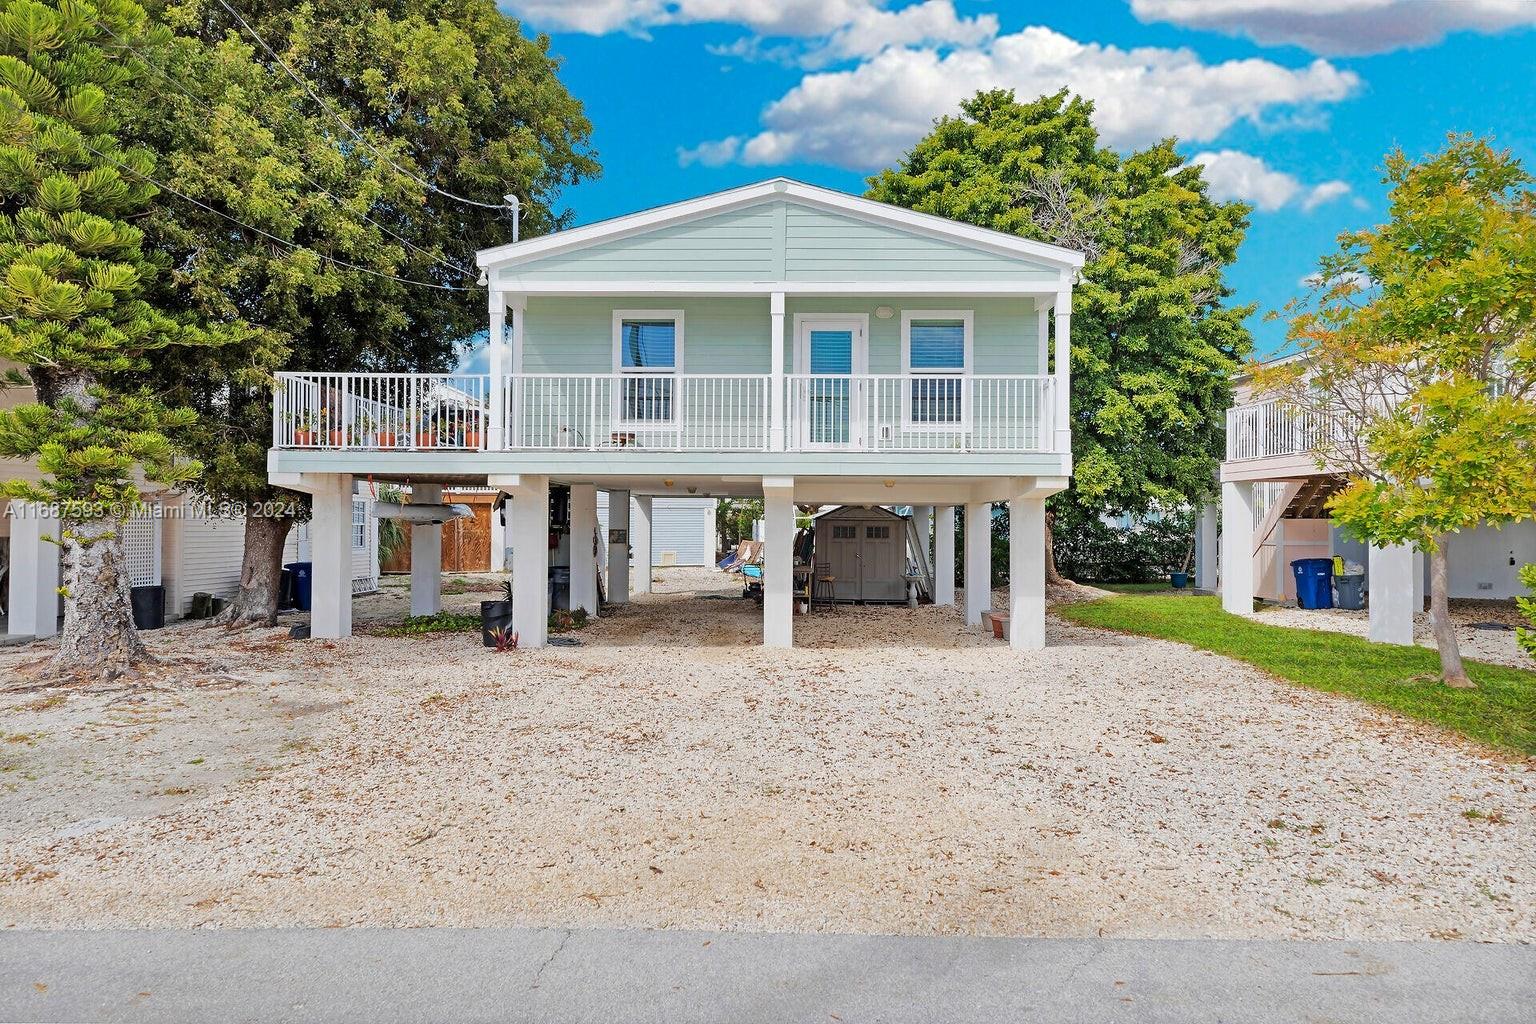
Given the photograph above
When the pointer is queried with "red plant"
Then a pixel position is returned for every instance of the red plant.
(504, 641)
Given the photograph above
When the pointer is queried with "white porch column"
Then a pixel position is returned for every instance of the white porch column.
(640, 544)
(1390, 577)
(530, 559)
(1063, 375)
(426, 555)
(776, 381)
(1205, 549)
(978, 561)
(496, 351)
(1026, 574)
(330, 542)
(34, 577)
(498, 541)
(778, 561)
(1237, 547)
(944, 557)
(618, 551)
(583, 547)
(511, 393)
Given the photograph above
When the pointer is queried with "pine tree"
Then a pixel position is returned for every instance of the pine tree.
(73, 317)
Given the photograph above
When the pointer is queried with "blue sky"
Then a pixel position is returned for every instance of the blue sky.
(1293, 111)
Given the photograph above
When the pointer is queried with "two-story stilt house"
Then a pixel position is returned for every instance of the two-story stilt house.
(776, 340)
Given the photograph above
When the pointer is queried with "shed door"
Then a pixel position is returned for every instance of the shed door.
(882, 563)
(843, 551)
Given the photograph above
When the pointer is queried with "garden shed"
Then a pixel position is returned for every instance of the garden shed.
(866, 548)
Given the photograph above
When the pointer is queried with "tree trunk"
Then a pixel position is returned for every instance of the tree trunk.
(261, 572)
(98, 636)
(1053, 576)
(1451, 668)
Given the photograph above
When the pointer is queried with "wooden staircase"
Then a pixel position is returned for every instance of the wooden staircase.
(1302, 499)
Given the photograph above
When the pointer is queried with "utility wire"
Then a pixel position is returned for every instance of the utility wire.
(267, 234)
(353, 131)
(171, 81)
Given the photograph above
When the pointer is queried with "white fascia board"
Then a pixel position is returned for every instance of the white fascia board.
(927, 287)
(997, 242)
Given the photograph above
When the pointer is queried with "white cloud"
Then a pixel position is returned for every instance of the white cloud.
(842, 28)
(710, 154)
(869, 115)
(1342, 26)
(1358, 278)
(1233, 174)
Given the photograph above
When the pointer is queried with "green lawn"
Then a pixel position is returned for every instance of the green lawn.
(1500, 712)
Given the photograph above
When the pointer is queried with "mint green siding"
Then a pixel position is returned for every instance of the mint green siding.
(725, 335)
(1006, 339)
(735, 246)
(575, 335)
(822, 246)
(775, 240)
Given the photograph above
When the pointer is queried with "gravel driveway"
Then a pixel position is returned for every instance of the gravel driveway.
(895, 773)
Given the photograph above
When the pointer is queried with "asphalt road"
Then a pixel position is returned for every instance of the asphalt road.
(609, 976)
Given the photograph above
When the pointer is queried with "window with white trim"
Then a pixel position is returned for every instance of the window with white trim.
(359, 526)
(648, 356)
(936, 353)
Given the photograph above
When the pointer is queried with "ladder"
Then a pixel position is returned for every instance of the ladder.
(917, 546)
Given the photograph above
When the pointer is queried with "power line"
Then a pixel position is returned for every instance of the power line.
(168, 79)
(267, 234)
(353, 131)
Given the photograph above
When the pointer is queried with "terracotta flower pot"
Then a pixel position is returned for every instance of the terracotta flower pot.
(338, 438)
(472, 439)
(386, 439)
(424, 439)
(304, 438)
(1000, 625)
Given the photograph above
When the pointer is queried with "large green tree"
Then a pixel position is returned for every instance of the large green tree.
(320, 153)
(74, 318)
(1154, 342)
(1420, 346)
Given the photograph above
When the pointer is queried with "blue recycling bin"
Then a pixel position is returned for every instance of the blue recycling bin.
(1314, 582)
(303, 580)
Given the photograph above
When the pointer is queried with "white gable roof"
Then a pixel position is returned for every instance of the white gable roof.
(775, 189)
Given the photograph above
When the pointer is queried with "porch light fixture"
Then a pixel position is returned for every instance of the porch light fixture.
(668, 482)
(884, 312)
(890, 483)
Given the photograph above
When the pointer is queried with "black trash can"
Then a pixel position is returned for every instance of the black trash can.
(286, 598)
(148, 606)
(1351, 591)
(495, 616)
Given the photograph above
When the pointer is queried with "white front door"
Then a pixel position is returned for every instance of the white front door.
(832, 353)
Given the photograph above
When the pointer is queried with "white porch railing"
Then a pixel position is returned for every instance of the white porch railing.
(911, 412)
(1263, 430)
(686, 412)
(381, 410)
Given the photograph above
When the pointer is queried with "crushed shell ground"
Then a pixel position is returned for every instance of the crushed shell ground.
(897, 772)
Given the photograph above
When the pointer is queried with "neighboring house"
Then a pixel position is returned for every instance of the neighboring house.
(1273, 511)
(173, 542)
(777, 340)
(362, 543)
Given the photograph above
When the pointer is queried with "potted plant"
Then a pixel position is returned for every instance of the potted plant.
(472, 435)
(426, 437)
(1180, 577)
(388, 435)
(303, 429)
(367, 429)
